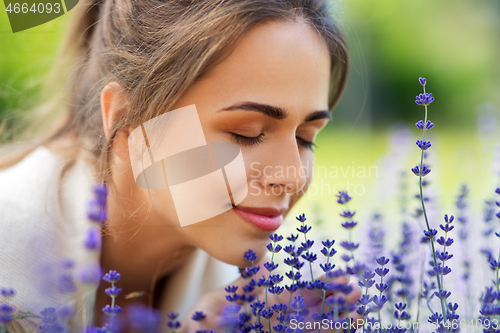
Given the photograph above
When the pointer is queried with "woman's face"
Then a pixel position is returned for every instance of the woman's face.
(269, 96)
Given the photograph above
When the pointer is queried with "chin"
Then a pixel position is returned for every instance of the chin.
(231, 250)
(227, 237)
(236, 256)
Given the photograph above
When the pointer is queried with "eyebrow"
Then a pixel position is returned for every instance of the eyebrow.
(275, 111)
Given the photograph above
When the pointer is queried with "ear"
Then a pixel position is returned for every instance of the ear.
(113, 103)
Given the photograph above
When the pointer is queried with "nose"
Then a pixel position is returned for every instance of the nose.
(284, 171)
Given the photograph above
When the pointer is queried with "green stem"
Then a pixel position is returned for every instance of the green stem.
(366, 293)
(380, 296)
(324, 291)
(257, 296)
(443, 307)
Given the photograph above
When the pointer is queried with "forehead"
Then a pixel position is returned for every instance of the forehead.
(277, 63)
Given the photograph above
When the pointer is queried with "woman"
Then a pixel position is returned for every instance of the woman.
(263, 74)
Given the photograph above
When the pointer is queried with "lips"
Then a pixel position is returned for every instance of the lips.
(264, 218)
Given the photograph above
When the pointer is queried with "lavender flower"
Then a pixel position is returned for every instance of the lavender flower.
(50, 323)
(143, 319)
(230, 320)
(5, 313)
(8, 292)
(93, 239)
(381, 299)
(112, 310)
(424, 99)
(97, 207)
(90, 273)
(173, 323)
(199, 316)
(366, 282)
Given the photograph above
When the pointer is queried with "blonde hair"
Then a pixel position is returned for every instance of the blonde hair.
(156, 49)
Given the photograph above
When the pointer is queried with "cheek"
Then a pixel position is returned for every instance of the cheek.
(308, 166)
(163, 205)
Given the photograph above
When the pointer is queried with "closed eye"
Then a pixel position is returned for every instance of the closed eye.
(248, 141)
(254, 141)
(307, 144)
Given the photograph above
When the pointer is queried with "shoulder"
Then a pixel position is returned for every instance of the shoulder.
(34, 195)
(43, 224)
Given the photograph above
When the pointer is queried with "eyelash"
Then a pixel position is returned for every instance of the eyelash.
(253, 141)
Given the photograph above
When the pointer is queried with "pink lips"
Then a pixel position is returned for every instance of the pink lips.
(264, 218)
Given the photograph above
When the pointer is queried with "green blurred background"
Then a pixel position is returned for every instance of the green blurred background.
(454, 44)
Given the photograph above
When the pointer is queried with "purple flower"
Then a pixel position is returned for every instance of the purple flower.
(230, 289)
(381, 287)
(298, 304)
(348, 214)
(65, 283)
(93, 239)
(97, 207)
(382, 261)
(250, 256)
(5, 313)
(442, 241)
(422, 80)
(7, 292)
(450, 219)
(229, 317)
(424, 99)
(301, 218)
(443, 256)
(65, 311)
(172, 315)
(442, 294)
(307, 245)
(270, 266)
(379, 302)
(446, 228)
(349, 224)
(112, 276)
(275, 238)
(325, 252)
(349, 246)
(425, 170)
(327, 267)
(144, 319)
(173, 323)
(430, 233)
(424, 145)
(90, 273)
(343, 197)
(97, 212)
(442, 270)
(276, 290)
(111, 311)
(198, 316)
(274, 249)
(113, 291)
(304, 229)
(328, 243)
(381, 271)
(50, 324)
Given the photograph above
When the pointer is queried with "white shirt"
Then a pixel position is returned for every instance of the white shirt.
(43, 222)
